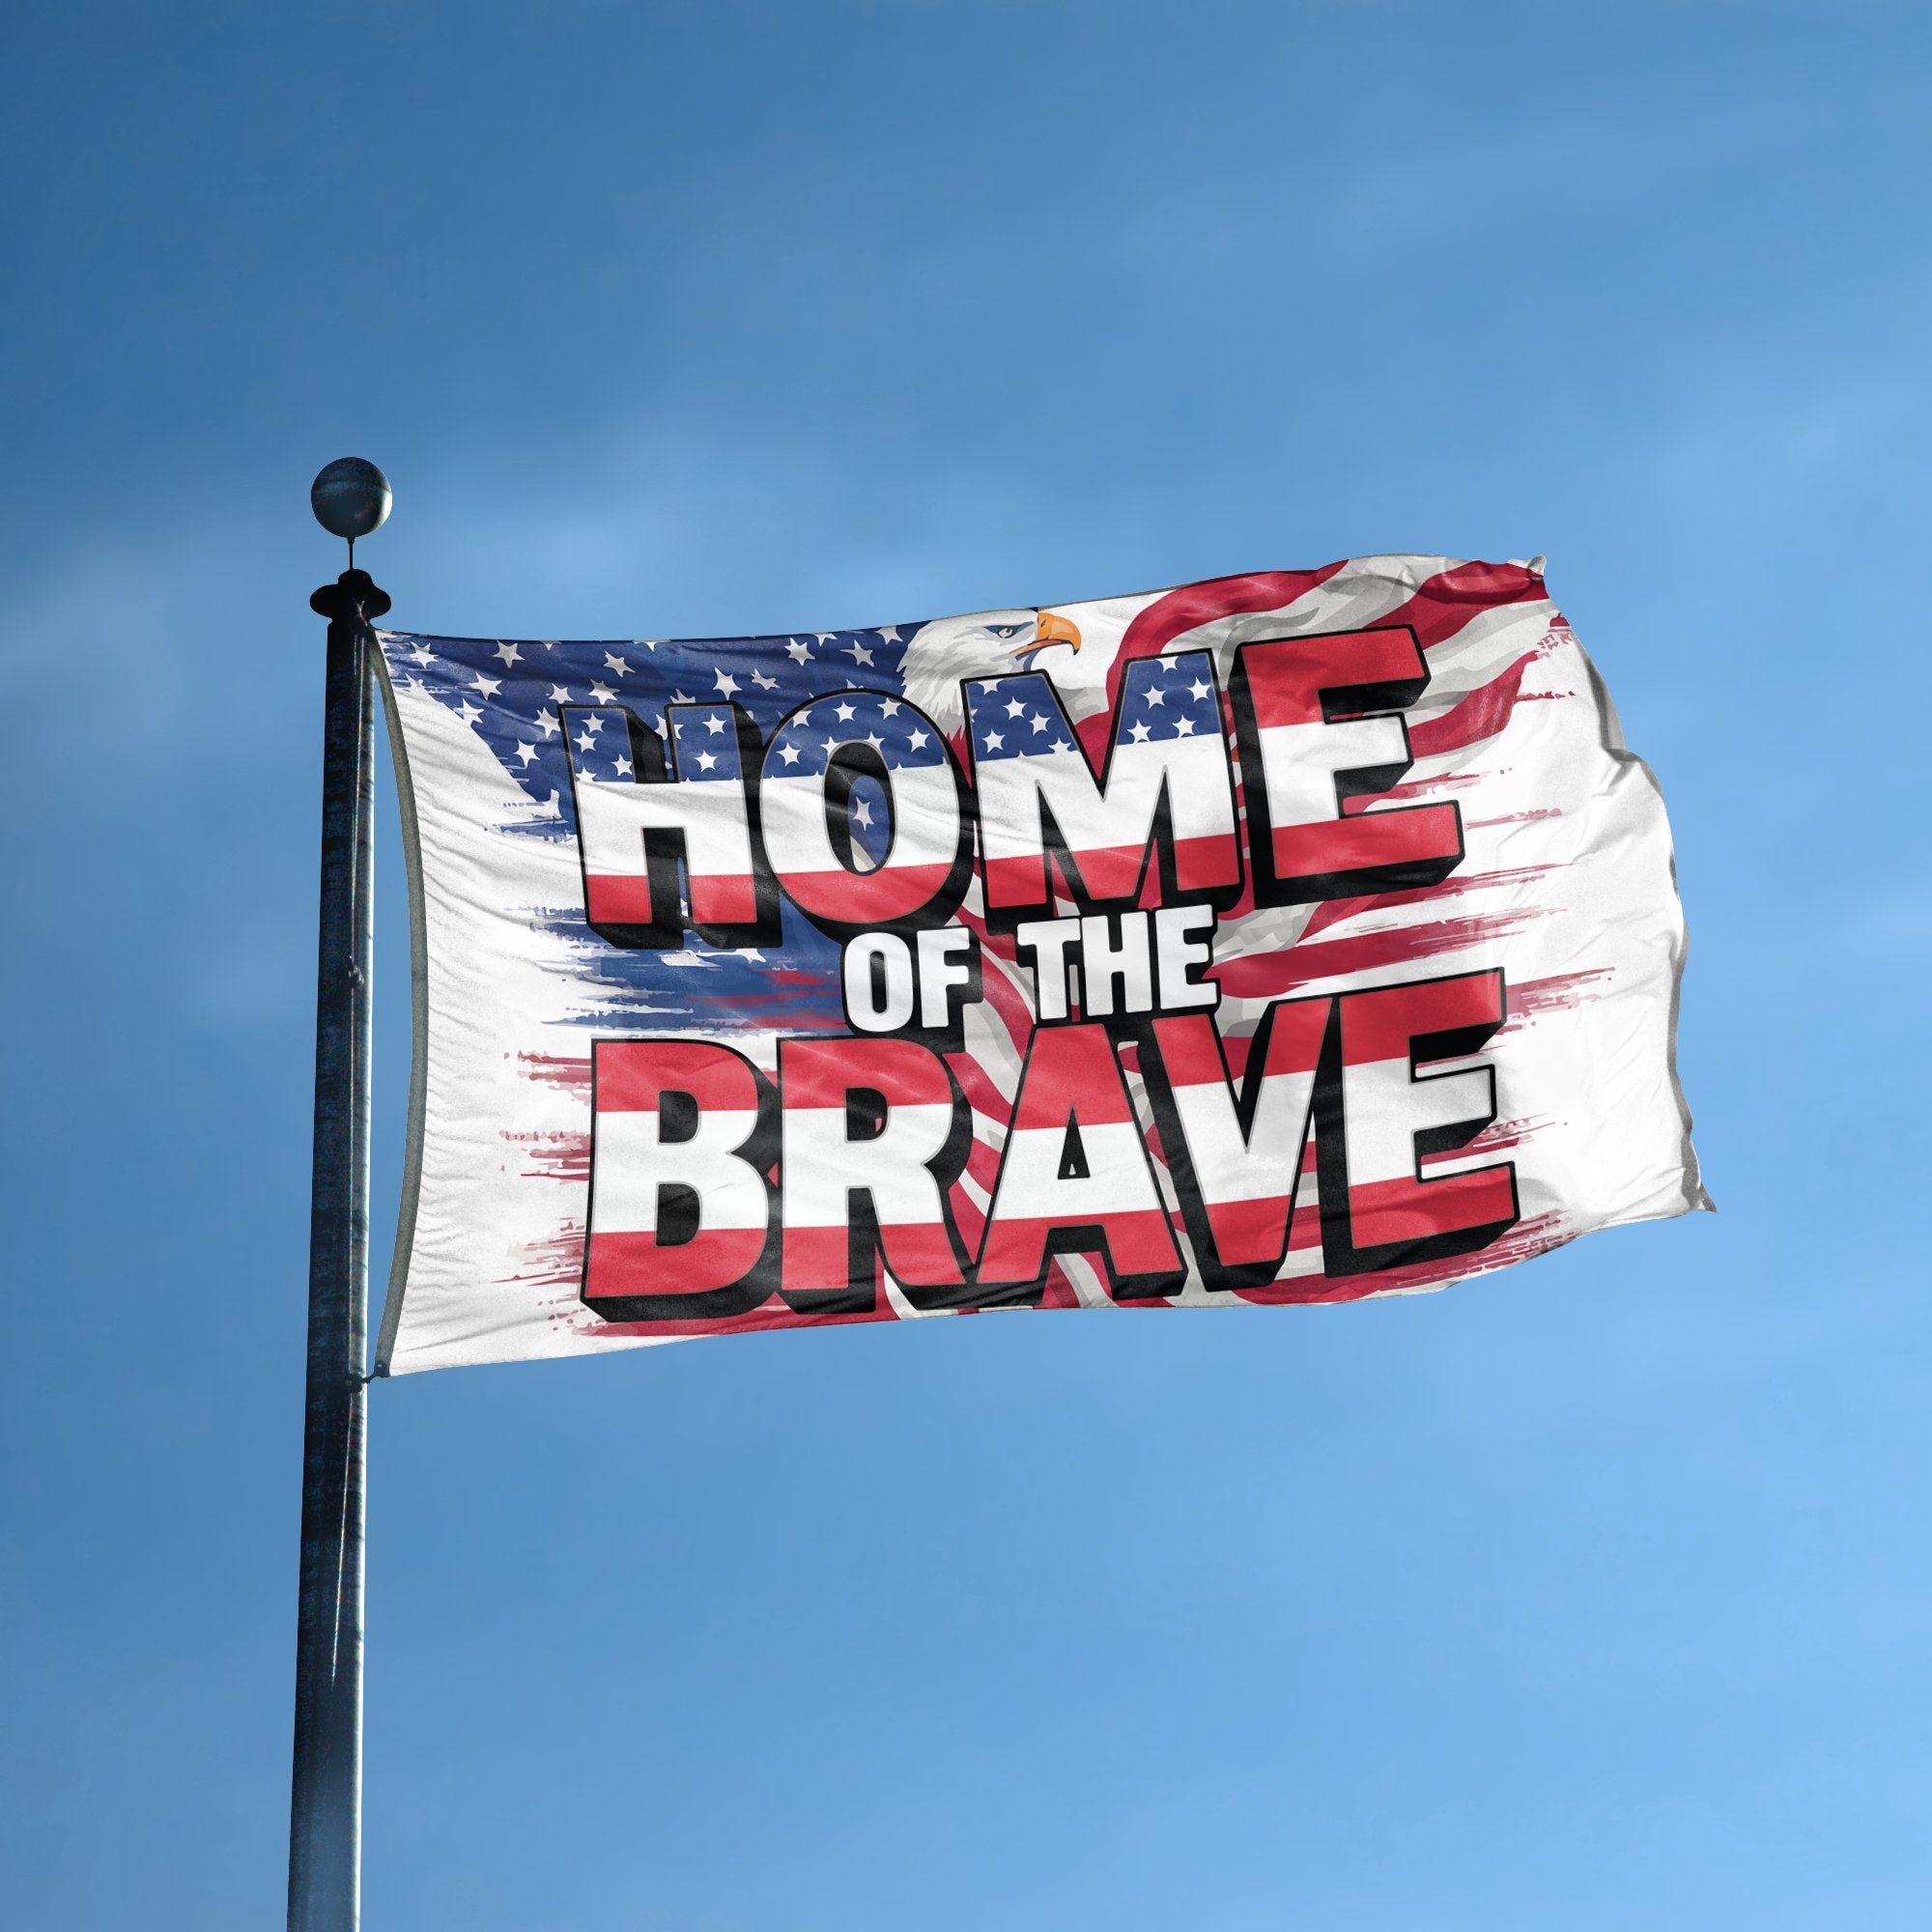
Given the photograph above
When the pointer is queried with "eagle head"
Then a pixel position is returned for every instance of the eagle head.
(938, 656)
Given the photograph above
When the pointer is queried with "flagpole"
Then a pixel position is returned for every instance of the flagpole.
(350, 498)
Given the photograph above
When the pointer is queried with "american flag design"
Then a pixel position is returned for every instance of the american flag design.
(1288, 937)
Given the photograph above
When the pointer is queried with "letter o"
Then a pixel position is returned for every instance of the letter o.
(880, 986)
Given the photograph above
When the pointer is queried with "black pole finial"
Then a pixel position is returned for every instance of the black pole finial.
(350, 497)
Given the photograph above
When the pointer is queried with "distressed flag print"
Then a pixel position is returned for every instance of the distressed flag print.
(1300, 937)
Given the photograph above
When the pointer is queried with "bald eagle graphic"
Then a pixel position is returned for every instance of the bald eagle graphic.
(986, 644)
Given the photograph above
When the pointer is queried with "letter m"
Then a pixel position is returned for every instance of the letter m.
(1168, 787)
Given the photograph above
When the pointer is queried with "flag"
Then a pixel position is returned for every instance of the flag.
(1293, 937)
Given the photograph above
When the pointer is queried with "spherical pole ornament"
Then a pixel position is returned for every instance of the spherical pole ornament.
(351, 498)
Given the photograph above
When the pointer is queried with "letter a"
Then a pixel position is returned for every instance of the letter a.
(1072, 1094)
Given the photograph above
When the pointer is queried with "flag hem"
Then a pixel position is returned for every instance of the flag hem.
(412, 1186)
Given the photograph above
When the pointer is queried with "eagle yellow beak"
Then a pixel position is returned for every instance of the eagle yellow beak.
(1051, 628)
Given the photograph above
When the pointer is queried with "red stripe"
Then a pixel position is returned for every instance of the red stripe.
(631, 1074)
(866, 898)
(982, 1163)
(1383, 1213)
(1139, 1242)
(612, 898)
(821, 1073)
(717, 899)
(1412, 834)
(1248, 1231)
(723, 899)
(967, 1214)
(1193, 604)
(1448, 600)
(977, 1084)
(632, 1263)
(1113, 872)
(1286, 677)
(1071, 1070)
(1384, 1022)
(1480, 715)
(917, 1253)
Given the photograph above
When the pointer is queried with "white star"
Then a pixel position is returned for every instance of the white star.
(844, 714)
(726, 683)
(547, 723)
(650, 644)
(1199, 689)
(798, 652)
(587, 743)
(916, 739)
(422, 656)
(469, 712)
(825, 637)
(873, 739)
(558, 695)
(488, 686)
(678, 698)
(509, 653)
(527, 753)
(1157, 698)
(888, 634)
(705, 761)
(1140, 734)
(602, 693)
(1184, 728)
(863, 812)
(763, 682)
(624, 768)
(1063, 746)
(593, 725)
(714, 726)
(994, 741)
(859, 654)
(789, 754)
(1038, 723)
(891, 707)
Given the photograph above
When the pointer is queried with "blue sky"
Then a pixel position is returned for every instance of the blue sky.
(1593, 1594)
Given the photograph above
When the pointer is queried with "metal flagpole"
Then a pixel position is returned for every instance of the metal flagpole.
(351, 498)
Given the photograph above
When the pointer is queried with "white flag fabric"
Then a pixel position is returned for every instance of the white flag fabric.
(1292, 937)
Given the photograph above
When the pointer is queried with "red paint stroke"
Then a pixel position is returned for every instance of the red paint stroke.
(563, 1071)
(1333, 912)
(1481, 715)
(1530, 999)
(553, 1156)
(556, 1262)
(1269, 975)
(1414, 789)
(1516, 817)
